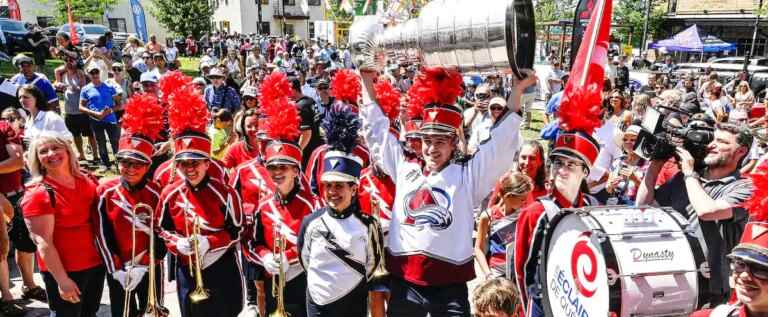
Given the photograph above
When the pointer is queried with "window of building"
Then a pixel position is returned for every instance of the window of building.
(311, 28)
(289, 2)
(45, 21)
(314, 2)
(288, 29)
(264, 29)
(87, 21)
(117, 25)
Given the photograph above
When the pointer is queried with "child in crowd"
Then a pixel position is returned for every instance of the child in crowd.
(220, 132)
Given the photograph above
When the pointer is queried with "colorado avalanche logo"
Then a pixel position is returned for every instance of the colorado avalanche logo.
(428, 207)
(584, 266)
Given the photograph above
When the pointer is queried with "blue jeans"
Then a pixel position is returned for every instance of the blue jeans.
(112, 131)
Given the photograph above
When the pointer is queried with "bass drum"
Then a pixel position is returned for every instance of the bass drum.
(621, 261)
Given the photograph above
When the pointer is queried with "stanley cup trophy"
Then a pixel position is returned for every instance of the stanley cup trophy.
(477, 37)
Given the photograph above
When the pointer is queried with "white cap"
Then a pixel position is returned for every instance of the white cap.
(148, 77)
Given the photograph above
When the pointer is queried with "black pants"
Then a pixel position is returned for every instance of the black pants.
(224, 283)
(139, 296)
(17, 231)
(251, 274)
(354, 304)
(91, 285)
(410, 300)
(295, 294)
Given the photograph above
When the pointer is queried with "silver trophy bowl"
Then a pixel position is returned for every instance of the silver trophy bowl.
(475, 37)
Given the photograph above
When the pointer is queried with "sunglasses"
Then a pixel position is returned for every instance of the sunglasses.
(322, 87)
(128, 164)
(760, 273)
(117, 69)
(570, 165)
(482, 96)
(278, 167)
(497, 108)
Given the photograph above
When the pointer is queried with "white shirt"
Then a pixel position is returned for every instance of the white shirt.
(46, 123)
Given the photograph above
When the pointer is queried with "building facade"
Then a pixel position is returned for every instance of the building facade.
(732, 21)
(118, 19)
(278, 17)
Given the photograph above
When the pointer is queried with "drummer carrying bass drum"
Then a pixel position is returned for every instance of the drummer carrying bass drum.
(570, 163)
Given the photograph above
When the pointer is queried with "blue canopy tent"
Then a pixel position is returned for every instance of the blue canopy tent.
(689, 40)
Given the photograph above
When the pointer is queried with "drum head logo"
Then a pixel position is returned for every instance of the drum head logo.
(584, 266)
(428, 207)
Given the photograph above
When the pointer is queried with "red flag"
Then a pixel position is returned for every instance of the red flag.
(14, 11)
(580, 107)
(72, 30)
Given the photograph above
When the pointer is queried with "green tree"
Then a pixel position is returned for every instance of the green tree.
(81, 9)
(554, 10)
(185, 17)
(631, 15)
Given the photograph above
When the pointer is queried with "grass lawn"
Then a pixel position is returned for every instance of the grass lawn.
(190, 66)
(7, 70)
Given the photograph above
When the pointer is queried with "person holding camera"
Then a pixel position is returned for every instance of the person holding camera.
(711, 198)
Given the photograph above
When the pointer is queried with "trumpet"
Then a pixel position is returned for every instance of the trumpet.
(375, 238)
(127, 299)
(278, 286)
(199, 294)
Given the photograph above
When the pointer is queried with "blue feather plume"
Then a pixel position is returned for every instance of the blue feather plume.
(340, 126)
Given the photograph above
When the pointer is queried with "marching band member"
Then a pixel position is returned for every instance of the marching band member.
(168, 172)
(571, 159)
(429, 251)
(339, 246)
(126, 208)
(200, 217)
(346, 89)
(58, 209)
(279, 215)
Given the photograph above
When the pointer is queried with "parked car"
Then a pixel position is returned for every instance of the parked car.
(15, 36)
(87, 33)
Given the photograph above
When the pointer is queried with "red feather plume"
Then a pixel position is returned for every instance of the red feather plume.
(187, 111)
(757, 205)
(388, 98)
(282, 116)
(282, 120)
(275, 86)
(172, 82)
(143, 116)
(440, 85)
(582, 98)
(345, 86)
(415, 100)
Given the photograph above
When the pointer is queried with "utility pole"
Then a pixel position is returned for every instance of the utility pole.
(747, 56)
(648, 5)
(282, 2)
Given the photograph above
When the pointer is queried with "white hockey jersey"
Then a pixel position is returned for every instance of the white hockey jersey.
(430, 234)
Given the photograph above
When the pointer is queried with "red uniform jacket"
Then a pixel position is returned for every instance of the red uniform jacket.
(287, 212)
(525, 233)
(116, 219)
(381, 190)
(217, 205)
(315, 165)
(163, 173)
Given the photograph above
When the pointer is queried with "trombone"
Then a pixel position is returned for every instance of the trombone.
(200, 293)
(278, 287)
(153, 309)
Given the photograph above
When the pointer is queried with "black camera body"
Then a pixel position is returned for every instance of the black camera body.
(658, 138)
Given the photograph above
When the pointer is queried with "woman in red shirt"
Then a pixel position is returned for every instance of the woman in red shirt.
(58, 207)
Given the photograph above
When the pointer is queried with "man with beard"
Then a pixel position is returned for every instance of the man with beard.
(711, 198)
